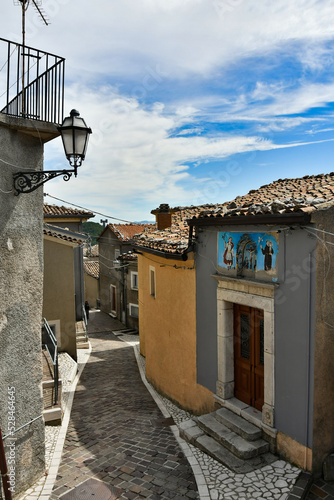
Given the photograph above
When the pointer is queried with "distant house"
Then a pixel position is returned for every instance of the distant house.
(92, 289)
(59, 297)
(167, 308)
(119, 279)
(71, 219)
(261, 295)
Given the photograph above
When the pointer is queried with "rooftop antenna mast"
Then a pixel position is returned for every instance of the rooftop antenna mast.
(25, 5)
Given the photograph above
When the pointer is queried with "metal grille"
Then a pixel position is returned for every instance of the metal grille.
(31, 83)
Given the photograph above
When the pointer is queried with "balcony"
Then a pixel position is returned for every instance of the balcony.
(31, 83)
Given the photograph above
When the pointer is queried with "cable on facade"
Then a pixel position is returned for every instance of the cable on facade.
(6, 192)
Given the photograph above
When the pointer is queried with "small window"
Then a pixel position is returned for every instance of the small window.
(152, 281)
(113, 298)
(134, 310)
(134, 280)
(117, 253)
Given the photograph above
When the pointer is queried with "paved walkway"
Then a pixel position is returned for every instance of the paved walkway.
(117, 433)
(117, 438)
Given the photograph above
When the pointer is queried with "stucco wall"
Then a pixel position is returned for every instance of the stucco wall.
(112, 275)
(59, 291)
(21, 285)
(91, 290)
(293, 325)
(323, 421)
(294, 336)
(167, 329)
(206, 309)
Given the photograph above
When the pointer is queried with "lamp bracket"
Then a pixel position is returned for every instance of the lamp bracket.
(26, 182)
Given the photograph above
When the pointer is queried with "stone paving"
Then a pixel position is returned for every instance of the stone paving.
(117, 433)
(321, 489)
(124, 441)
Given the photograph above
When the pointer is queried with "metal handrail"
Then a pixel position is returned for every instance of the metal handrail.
(49, 341)
(34, 83)
(84, 316)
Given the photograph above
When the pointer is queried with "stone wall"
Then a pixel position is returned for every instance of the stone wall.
(21, 288)
(323, 421)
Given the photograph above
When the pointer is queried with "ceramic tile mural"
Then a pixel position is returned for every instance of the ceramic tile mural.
(248, 252)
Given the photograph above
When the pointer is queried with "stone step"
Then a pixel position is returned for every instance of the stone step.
(236, 444)
(194, 435)
(81, 338)
(83, 345)
(238, 424)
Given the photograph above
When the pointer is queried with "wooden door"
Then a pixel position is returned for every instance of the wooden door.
(249, 355)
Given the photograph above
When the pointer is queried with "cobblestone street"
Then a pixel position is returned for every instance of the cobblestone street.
(117, 433)
(118, 438)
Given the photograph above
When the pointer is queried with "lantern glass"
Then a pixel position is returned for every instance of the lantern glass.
(75, 134)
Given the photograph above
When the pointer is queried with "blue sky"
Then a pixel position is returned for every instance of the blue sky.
(190, 101)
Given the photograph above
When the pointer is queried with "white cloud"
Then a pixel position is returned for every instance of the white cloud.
(132, 161)
(183, 37)
(141, 71)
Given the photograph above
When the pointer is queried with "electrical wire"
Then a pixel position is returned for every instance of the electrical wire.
(89, 210)
(4, 64)
(116, 267)
(309, 229)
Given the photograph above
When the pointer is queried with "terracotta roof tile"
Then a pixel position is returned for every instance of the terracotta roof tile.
(283, 196)
(63, 234)
(128, 256)
(57, 211)
(126, 232)
(92, 268)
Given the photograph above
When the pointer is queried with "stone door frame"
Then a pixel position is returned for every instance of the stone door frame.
(259, 296)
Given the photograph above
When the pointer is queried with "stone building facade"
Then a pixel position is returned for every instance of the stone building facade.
(21, 289)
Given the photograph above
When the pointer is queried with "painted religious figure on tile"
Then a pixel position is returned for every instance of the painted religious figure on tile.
(229, 253)
(250, 254)
(268, 252)
(226, 250)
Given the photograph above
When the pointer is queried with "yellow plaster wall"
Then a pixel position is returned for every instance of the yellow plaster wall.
(294, 452)
(92, 293)
(167, 327)
(59, 292)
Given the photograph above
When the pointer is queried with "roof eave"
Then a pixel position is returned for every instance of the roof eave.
(291, 218)
(166, 255)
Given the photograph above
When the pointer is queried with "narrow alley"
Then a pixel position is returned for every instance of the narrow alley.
(117, 433)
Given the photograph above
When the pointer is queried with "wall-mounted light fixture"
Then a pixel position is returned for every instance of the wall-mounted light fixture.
(74, 133)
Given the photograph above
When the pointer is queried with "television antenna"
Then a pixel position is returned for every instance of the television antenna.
(24, 5)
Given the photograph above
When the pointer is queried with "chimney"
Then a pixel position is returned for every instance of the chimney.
(163, 216)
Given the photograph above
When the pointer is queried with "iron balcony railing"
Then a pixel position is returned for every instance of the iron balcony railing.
(31, 83)
(49, 342)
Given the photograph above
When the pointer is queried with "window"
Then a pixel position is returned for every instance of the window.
(134, 310)
(113, 298)
(117, 262)
(152, 281)
(134, 280)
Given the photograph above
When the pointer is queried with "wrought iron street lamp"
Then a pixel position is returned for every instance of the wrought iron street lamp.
(75, 134)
